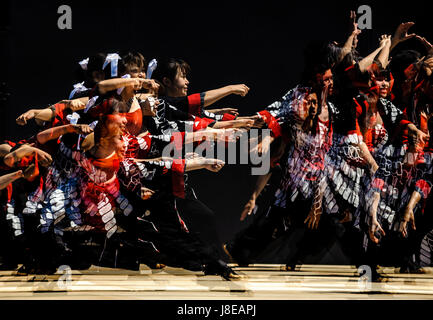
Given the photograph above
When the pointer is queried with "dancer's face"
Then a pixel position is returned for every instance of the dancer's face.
(118, 144)
(326, 80)
(119, 120)
(136, 71)
(117, 127)
(310, 105)
(179, 86)
(383, 85)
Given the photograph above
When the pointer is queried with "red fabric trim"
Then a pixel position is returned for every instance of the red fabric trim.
(326, 123)
(60, 116)
(378, 184)
(404, 122)
(182, 223)
(356, 131)
(11, 143)
(36, 172)
(148, 140)
(201, 123)
(178, 170)
(102, 108)
(194, 104)
(178, 138)
(109, 163)
(25, 162)
(369, 140)
(423, 125)
(228, 117)
(134, 121)
(418, 85)
(10, 190)
(358, 108)
(271, 122)
(391, 82)
(375, 89)
(423, 187)
(402, 131)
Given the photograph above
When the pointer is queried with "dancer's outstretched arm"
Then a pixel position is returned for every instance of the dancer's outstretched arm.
(4, 149)
(214, 165)
(212, 134)
(368, 60)
(54, 133)
(401, 35)
(42, 114)
(213, 96)
(383, 56)
(47, 114)
(7, 179)
(116, 83)
(15, 156)
(428, 46)
(238, 123)
(352, 40)
(232, 111)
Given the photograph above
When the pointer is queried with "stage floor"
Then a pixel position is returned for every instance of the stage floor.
(260, 282)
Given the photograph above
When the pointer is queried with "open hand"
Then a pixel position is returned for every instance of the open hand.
(409, 218)
(385, 40)
(428, 46)
(374, 228)
(401, 34)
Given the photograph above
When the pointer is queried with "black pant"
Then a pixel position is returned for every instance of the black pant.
(411, 246)
(281, 224)
(201, 220)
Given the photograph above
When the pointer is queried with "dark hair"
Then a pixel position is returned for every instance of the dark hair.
(105, 128)
(130, 58)
(401, 61)
(110, 105)
(107, 109)
(95, 63)
(379, 71)
(168, 68)
(319, 56)
(331, 52)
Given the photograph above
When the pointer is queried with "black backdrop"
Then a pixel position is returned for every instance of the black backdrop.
(258, 43)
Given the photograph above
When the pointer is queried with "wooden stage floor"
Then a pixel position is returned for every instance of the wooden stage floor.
(259, 282)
